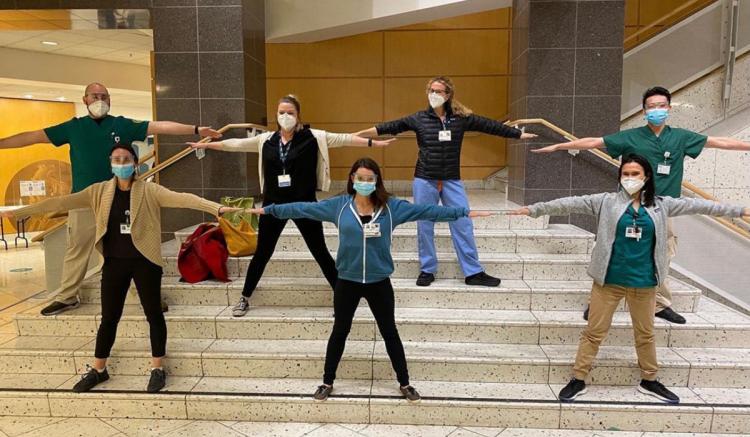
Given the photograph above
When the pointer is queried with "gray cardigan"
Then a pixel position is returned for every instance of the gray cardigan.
(609, 207)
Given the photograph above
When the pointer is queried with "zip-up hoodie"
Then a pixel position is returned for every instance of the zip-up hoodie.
(361, 259)
(609, 207)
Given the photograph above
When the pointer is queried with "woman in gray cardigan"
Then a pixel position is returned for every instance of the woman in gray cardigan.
(629, 261)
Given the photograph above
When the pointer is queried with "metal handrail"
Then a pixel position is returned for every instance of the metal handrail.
(633, 40)
(188, 150)
(600, 154)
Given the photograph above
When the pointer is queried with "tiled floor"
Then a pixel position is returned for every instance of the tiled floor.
(60, 427)
(21, 276)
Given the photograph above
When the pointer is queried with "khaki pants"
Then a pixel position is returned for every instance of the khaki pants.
(604, 301)
(81, 236)
(663, 293)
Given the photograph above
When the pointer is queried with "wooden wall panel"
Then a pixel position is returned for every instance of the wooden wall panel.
(450, 52)
(355, 56)
(497, 19)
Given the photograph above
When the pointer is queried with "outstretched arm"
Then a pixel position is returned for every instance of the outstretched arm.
(580, 144)
(81, 199)
(690, 206)
(355, 140)
(324, 211)
(727, 143)
(24, 139)
(172, 199)
(248, 145)
(566, 205)
(404, 211)
(174, 128)
(493, 127)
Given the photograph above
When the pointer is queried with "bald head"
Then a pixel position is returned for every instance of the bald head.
(95, 87)
(96, 96)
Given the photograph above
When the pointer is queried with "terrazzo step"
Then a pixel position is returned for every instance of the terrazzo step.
(555, 239)
(432, 361)
(512, 294)
(414, 324)
(355, 401)
(553, 267)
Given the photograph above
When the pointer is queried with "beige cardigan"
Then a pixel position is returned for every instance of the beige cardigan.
(325, 141)
(146, 201)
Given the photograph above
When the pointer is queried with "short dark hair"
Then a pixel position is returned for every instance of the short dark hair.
(380, 196)
(124, 146)
(649, 188)
(657, 91)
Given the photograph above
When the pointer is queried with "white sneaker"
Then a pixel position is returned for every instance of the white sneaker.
(241, 308)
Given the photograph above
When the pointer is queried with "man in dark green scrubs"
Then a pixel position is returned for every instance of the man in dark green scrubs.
(91, 139)
(665, 148)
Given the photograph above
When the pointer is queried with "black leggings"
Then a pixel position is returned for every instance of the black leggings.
(269, 231)
(379, 296)
(116, 276)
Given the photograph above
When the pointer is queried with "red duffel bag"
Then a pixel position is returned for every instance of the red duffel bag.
(204, 255)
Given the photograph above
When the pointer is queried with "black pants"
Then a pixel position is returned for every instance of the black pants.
(269, 231)
(116, 276)
(379, 296)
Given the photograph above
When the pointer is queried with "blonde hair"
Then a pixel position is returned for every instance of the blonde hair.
(294, 101)
(457, 107)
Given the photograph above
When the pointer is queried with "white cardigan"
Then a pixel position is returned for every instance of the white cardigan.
(324, 139)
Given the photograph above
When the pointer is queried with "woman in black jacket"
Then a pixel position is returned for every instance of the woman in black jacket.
(437, 177)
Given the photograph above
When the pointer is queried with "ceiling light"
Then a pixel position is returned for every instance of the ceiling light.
(28, 96)
(49, 43)
(61, 98)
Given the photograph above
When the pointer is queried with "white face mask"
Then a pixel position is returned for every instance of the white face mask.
(286, 121)
(632, 185)
(99, 109)
(436, 100)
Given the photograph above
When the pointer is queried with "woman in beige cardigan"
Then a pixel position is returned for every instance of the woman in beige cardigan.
(128, 235)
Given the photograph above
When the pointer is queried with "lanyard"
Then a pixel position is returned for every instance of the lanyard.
(359, 220)
(284, 152)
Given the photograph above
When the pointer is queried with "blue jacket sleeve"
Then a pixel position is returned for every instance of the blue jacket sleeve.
(404, 211)
(324, 211)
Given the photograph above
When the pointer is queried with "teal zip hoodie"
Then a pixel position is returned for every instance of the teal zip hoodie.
(361, 259)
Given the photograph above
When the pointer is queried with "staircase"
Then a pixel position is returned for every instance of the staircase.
(479, 356)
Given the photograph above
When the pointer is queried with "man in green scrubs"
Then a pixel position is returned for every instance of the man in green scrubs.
(91, 139)
(665, 148)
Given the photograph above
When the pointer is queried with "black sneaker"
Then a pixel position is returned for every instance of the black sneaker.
(90, 379)
(425, 279)
(669, 315)
(483, 279)
(575, 388)
(322, 392)
(657, 390)
(59, 307)
(158, 380)
(241, 308)
(586, 313)
(410, 393)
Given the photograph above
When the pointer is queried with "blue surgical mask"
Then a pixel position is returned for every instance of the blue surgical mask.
(364, 188)
(123, 171)
(657, 116)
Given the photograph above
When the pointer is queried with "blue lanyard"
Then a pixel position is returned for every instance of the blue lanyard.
(284, 152)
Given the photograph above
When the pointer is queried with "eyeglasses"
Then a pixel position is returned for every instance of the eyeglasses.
(658, 105)
(98, 96)
(117, 160)
(365, 178)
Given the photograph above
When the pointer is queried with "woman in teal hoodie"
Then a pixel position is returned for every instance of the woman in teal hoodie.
(365, 218)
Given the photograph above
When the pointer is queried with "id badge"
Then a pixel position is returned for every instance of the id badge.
(372, 230)
(125, 228)
(444, 135)
(663, 169)
(285, 180)
(633, 232)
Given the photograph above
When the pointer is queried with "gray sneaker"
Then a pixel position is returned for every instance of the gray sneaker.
(322, 392)
(410, 393)
(241, 308)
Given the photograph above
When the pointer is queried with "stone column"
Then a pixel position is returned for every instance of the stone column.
(567, 68)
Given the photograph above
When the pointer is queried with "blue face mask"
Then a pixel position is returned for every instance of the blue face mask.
(657, 117)
(364, 188)
(123, 171)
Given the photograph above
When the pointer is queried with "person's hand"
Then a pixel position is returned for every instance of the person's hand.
(528, 136)
(521, 211)
(382, 143)
(474, 214)
(746, 212)
(208, 132)
(548, 149)
(8, 215)
(198, 145)
(258, 211)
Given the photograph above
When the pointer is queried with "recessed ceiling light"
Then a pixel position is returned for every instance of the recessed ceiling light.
(28, 96)
(49, 43)
(61, 98)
